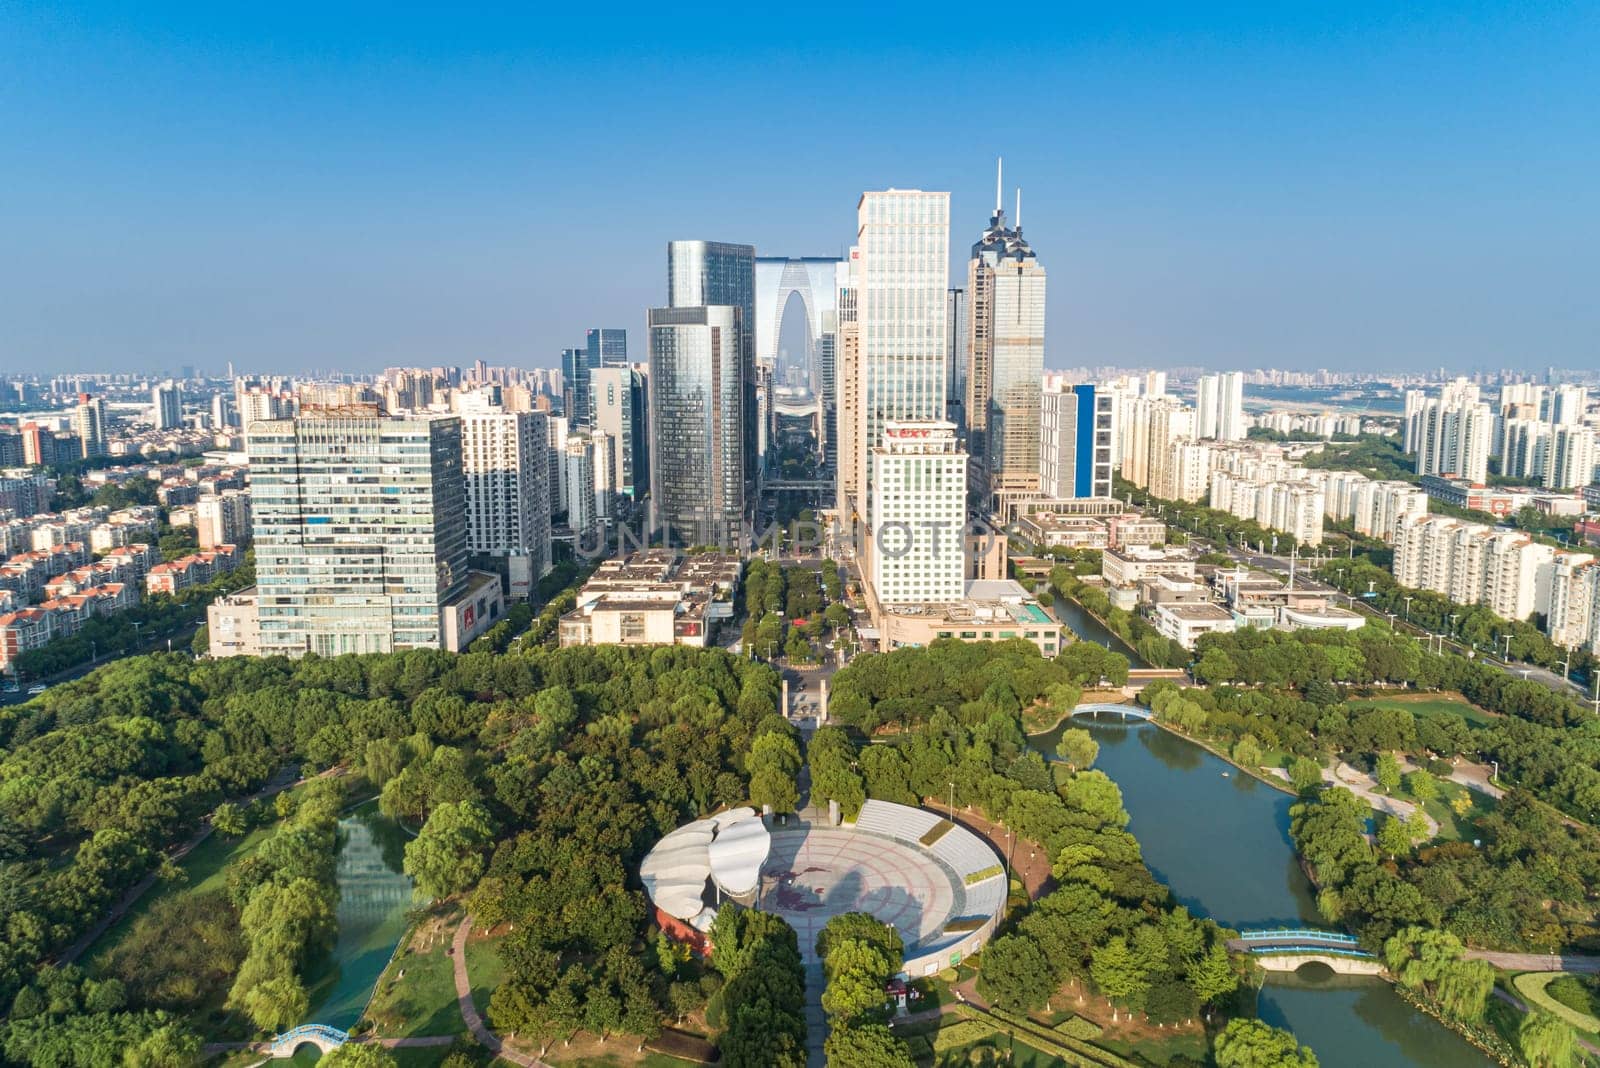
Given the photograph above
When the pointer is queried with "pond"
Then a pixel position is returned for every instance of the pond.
(1220, 840)
(374, 897)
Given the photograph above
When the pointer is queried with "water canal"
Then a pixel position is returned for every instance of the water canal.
(374, 897)
(1088, 628)
(1220, 840)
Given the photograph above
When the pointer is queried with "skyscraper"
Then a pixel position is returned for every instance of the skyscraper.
(903, 236)
(1450, 434)
(89, 423)
(846, 416)
(575, 386)
(166, 400)
(1219, 407)
(1006, 295)
(958, 362)
(612, 403)
(697, 409)
(706, 274)
(506, 466)
(606, 347)
(1076, 429)
(361, 535)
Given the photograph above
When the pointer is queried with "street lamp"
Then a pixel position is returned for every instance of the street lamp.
(1408, 609)
(952, 802)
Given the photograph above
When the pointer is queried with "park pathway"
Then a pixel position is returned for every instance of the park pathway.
(1538, 962)
(285, 779)
(469, 1011)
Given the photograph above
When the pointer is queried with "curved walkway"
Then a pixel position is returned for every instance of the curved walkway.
(469, 1011)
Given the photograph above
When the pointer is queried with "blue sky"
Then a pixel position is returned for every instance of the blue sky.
(353, 186)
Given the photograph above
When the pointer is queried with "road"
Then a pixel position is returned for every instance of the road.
(181, 639)
(1304, 580)
(1538, 962)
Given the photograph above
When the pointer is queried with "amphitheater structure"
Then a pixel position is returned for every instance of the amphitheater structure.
(941, 886)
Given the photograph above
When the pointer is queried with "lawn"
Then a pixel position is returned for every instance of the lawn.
(1430, 704)
(416, 995)
(1453, 828)
(485, 970)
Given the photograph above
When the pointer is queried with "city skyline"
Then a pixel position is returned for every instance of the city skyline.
(1347, 190)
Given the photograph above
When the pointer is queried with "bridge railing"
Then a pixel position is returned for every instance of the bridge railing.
(309, 1032)
(1290, 933)
(1276, 950)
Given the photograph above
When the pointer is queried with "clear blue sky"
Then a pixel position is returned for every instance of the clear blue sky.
(297, 186)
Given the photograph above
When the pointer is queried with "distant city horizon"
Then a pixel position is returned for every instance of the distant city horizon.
(1331, 188)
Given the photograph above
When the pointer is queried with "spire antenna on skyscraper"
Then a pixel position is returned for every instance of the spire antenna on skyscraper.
(1018, 222)
(998, 161)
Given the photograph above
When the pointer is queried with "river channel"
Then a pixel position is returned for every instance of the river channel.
(374, 897)
(1220, 840)
(1088, 628)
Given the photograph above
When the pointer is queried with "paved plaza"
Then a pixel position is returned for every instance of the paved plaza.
(816, 872)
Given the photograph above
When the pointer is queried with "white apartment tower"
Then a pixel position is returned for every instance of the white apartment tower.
(1451, 435)
(919, 494)
(1219, 407)
(505, 458)
(166, 403)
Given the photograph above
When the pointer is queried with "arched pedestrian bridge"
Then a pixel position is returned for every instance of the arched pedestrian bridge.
(1287, 949)
(1125, 711)
(322, 1036)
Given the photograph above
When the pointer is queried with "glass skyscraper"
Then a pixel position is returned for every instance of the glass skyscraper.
(711, 273)
(607, 347)
(1006, 291)
(904, 241)
(360, 530)
(697, 410)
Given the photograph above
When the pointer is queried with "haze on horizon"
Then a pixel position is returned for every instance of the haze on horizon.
(301, 187)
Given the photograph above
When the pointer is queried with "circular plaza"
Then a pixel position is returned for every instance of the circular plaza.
(941, 886)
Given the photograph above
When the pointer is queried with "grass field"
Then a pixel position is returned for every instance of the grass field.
(1453, 828)
(1431, 704)
(207, 869)
(485, 970)
(416, 995)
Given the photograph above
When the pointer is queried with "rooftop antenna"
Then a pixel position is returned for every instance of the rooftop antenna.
(1018, 222)
(998, 161)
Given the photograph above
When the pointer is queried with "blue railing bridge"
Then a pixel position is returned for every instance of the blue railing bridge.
(1125, 711)
(1291, 940)
(322, 1036)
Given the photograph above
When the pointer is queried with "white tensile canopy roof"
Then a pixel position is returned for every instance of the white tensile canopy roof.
(738, 851)
(729, 847)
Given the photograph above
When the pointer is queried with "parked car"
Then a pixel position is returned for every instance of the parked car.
(35, 691)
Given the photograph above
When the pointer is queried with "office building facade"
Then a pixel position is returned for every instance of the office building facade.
(1006, 305)
(606, 346)
(903, 239)
(697, 409)
(1076, 426)
(361, 535)
(918, 511)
